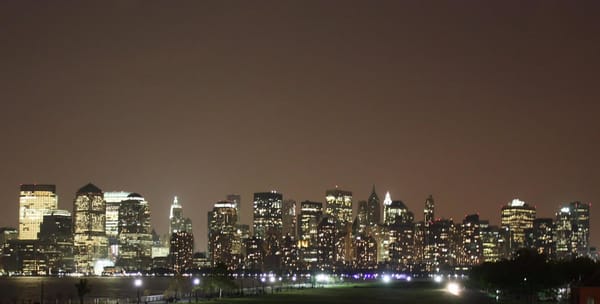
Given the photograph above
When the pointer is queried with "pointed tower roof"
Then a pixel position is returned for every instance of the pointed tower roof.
(388, 199)
(373, 196)
(89, 188)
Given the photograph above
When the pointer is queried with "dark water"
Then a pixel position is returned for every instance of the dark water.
(22, 290)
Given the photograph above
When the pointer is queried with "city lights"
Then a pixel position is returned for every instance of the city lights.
(454, 288)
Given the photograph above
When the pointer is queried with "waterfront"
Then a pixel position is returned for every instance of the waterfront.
(29, 289)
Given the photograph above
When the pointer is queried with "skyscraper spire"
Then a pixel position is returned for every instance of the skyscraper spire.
(388, 199)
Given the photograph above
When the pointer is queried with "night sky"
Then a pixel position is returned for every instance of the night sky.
(474, 102)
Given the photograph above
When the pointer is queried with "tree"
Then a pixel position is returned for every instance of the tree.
(83, 288)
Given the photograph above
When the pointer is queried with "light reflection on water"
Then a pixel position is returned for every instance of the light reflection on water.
(23, 289)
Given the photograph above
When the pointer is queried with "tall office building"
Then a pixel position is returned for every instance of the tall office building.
(181, 251)
(518, 218)
(56, 241)
(89, 220)
(113, 201)
(289, 219)
(429, 210)
(35, 201)
(326, 244)
(135, 234)
(543, 237)
(308, 221)
(470, 246)
(236, 199)
(177, 222)
(222, 234)
(267, 222)
(339, 206)
(572, 230)
(373, 209)
(395, 212)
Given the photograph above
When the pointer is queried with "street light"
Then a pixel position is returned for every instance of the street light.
(138, 284)
(196, 282)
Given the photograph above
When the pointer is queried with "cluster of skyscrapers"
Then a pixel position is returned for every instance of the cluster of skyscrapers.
(330, 237)
(110, 233)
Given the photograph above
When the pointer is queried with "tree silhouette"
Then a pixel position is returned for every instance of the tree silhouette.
(83, 288)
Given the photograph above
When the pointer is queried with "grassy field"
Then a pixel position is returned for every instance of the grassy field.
(364, 293)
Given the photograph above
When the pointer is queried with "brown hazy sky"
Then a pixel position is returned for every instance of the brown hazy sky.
(474, 102)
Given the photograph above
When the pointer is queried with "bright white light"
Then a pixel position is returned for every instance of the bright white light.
(408, 279)
(517, 203)
(565, 210)
(272, 279)
(294, 279)
(100, 264)
(137, 282)
(196, 281)
(322, 277)
(262, 280)
(438, 279)
(453, 288)
(386, 278)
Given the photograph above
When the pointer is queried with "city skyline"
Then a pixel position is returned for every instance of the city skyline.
(201, 233)
(474, 103)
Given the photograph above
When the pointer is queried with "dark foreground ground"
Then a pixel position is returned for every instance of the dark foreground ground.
(367, 293)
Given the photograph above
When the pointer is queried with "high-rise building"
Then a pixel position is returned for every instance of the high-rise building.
(177, 221)
(470, 246)
(135, 234)
(366, 252)
(113, 201)
(267, 222)
(517, 217)
(543, 237)
(222, 234)
(309, 219)
(395, 212)
(339, 206)
(373, 209)
(89, 220)
(237, 200)
(181, 251)
(35, 201)
(443, 233)
(429, 210)
(572, 230)
(56, 241)
(326, 241)
(289, 219)
(493, 242)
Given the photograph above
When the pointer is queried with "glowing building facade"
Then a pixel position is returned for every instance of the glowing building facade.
(35, 201)
(518, 218)
(267, 219)
(89, 220)
(181, 251)
(573, 230)
(222, 234)
(135, 234)
(339, 206)
(177, 222)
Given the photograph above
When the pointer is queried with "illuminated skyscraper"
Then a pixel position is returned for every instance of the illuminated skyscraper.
(56, 241)
(373, 209)
(339, 206)
(113, 200)
(181, 251)
(177, 221)
(470, 246)
(289, 219)
(429, 210)
(518, 218)
(309, 219)
(89, 218)
(237, 200)
(267, 222)
(35, 201)
(326, 241)
(135, 234)
(395, 212)
(543, 237)
(573, 230)
(366, 252)
(222, 236)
